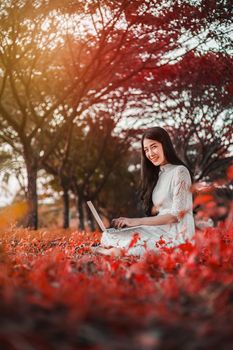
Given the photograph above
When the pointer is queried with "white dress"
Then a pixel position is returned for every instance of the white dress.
(171, 195)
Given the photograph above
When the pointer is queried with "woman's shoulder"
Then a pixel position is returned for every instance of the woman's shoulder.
(174, 169)
(181, 172)
(180, 168)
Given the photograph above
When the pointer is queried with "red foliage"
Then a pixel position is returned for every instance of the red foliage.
(210, 69)
(230, 172)
(55, 293)
(134, 240)
(203, 198)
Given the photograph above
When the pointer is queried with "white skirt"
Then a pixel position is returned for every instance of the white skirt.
(149, 238)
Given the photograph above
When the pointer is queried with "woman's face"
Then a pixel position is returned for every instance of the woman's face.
(154, 152)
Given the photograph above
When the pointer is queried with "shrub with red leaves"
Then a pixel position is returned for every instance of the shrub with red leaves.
(57, 294)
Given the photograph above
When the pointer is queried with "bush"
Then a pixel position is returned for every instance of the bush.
(57, 294)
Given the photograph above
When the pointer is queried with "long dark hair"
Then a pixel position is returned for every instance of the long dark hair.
(150, 172)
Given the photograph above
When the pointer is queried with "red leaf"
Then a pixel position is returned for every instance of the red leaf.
(160, 243)
(230, 172)
(134, 240)
(203, 198)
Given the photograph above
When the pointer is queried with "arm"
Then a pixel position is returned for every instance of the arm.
(181, 203)
(150, 221)
(182, 196)
(157, 220)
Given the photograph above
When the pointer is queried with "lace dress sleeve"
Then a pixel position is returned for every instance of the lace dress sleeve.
(182, 197)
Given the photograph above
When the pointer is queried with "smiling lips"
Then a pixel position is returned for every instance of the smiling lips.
(154, 159)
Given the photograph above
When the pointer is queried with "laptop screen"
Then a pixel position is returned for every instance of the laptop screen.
(96, 216)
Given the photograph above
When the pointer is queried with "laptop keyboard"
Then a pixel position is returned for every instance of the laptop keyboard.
(112, 230)
(115, 230)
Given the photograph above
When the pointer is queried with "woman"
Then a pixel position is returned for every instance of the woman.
(167, 200)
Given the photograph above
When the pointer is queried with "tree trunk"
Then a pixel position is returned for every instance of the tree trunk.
(80, 212)
(66, 208)
(32, 198)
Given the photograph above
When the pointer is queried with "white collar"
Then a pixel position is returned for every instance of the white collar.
(165, 167)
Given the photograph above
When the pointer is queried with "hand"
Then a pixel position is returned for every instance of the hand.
(154, 210)
(122, 222)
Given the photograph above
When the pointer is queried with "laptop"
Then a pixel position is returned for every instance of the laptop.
(101, 224)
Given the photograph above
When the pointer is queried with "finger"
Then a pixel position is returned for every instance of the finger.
(122, 223)
(116, 222)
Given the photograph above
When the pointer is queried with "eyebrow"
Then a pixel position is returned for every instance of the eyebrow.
(154, 143)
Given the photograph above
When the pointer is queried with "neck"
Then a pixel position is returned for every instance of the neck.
(164, 163)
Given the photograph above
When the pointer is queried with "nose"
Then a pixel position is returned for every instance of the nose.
(151, 153)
